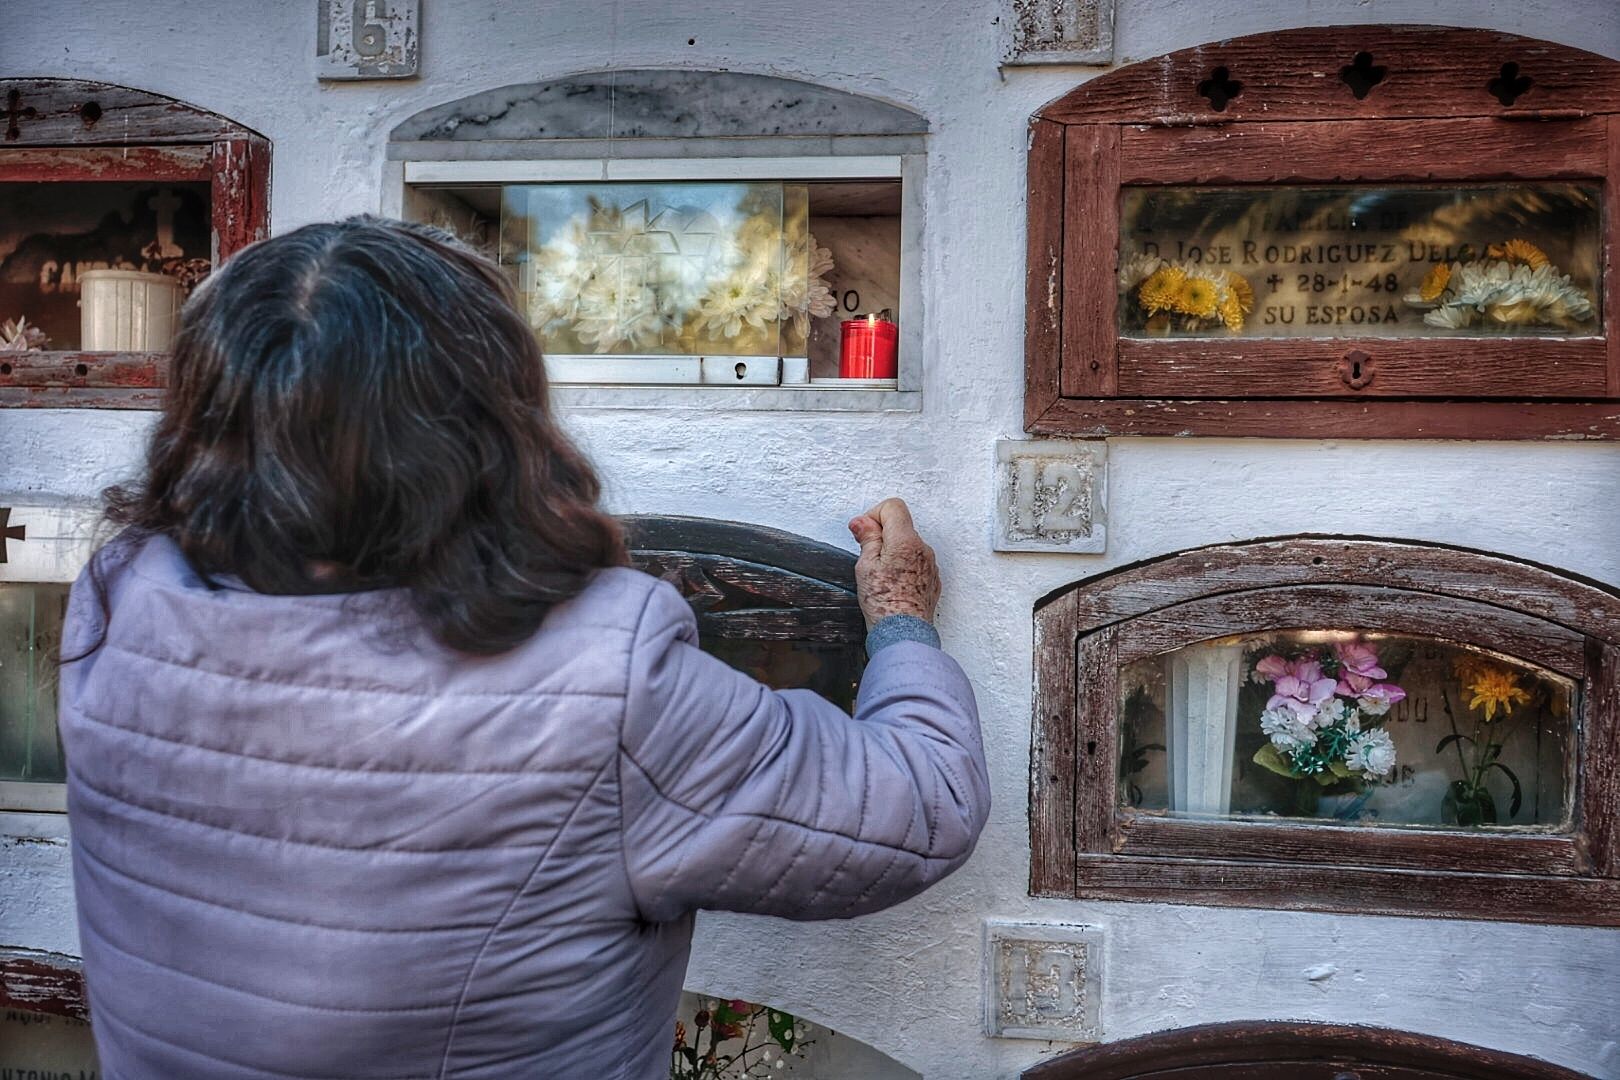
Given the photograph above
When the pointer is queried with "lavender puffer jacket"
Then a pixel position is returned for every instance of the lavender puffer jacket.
(307, 843)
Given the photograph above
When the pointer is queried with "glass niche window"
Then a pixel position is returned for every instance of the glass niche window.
(743, 283)
(1344, 725)
(1348, 728)
(42, 549)
(1386, 261)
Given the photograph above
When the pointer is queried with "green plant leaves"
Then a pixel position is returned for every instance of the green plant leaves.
(780, 1025)
(1449, 739)
(1518, 791)
(1270, 758)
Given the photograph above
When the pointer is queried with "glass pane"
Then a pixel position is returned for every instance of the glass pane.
(1325, 261)
(1339, 726)
(684, 269)
(831, 670)
(30, 636)
(52, 233)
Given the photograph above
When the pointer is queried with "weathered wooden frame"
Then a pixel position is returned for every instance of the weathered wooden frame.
(1147, 124)
(1084, 844)
(68, 129)
(1292, 1050)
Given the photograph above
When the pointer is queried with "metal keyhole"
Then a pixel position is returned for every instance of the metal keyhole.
(1355, 369)
(742, 370)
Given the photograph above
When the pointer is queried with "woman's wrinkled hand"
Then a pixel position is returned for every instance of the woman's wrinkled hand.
(895, 574)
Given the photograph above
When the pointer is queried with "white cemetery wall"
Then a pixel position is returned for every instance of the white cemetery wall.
(908, 981)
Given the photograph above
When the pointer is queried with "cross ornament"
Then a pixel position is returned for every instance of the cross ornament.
(9, 531)
(16, 111)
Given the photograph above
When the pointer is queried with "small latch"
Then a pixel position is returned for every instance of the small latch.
(1355, 369)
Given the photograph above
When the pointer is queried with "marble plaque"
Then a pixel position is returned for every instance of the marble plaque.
(1043, 981)
(1050, 495)
(367, 39)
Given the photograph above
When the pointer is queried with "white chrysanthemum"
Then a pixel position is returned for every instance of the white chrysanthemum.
(1286, 730)
(803, 291)
(1372, 753)
(1450, 317)
(612, 313)
(1137, 269)
(1480, 284)
(558, 274)
(743, 298)
(1540, 297)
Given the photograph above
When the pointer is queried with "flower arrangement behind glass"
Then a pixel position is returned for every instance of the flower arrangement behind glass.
(1514, 285)
(636, 278)
(1325, 718)
(732, 1040)
(1488, 689)
(1163, 295)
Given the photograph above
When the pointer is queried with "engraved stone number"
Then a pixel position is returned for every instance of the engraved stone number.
(370, 35)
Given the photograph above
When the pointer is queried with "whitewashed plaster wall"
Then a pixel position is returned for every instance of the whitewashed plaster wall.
(907, 981)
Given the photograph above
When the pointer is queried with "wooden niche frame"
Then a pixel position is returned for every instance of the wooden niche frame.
(1084, 843)
(1292, 1050)
(73, 130)
(1375, 104)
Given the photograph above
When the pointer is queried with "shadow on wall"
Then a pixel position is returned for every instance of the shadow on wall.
(753, 1036)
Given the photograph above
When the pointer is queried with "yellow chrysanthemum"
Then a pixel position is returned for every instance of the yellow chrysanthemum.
(1519, 251)
(1494, 687)
(1198, 298)
(1231, 311)
(1435, 282)
(1242, 290)
(1162, 289)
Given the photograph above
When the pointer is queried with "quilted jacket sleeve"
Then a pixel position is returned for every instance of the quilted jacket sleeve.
(741, 798)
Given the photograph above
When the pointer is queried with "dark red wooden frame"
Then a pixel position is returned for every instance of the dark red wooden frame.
(1292, 1050)
(1085, 844)
(1297, 121)
(65, 130)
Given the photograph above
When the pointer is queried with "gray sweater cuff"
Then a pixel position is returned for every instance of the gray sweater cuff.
(894, 628)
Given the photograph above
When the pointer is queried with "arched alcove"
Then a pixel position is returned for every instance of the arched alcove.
(1292, 1051)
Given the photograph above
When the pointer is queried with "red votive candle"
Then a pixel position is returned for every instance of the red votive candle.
(869, 348)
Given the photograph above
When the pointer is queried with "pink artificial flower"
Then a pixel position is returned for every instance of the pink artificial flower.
(1272, 667)
(1302, 689)
(1358, 668)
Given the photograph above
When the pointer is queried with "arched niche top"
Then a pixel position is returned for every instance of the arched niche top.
(1315, 73)
(78, 112)
(1569, 601)
(1295, 1050)
(658, 103)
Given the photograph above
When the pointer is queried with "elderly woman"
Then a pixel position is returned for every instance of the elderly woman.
(382, 764)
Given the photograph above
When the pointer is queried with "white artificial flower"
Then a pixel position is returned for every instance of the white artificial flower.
(1450, 317)
(1373, 706)
(1137, 269)
(1330, 712)
(1372, 753)
(1286, 730)
(1541, 297)
(613, 312)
